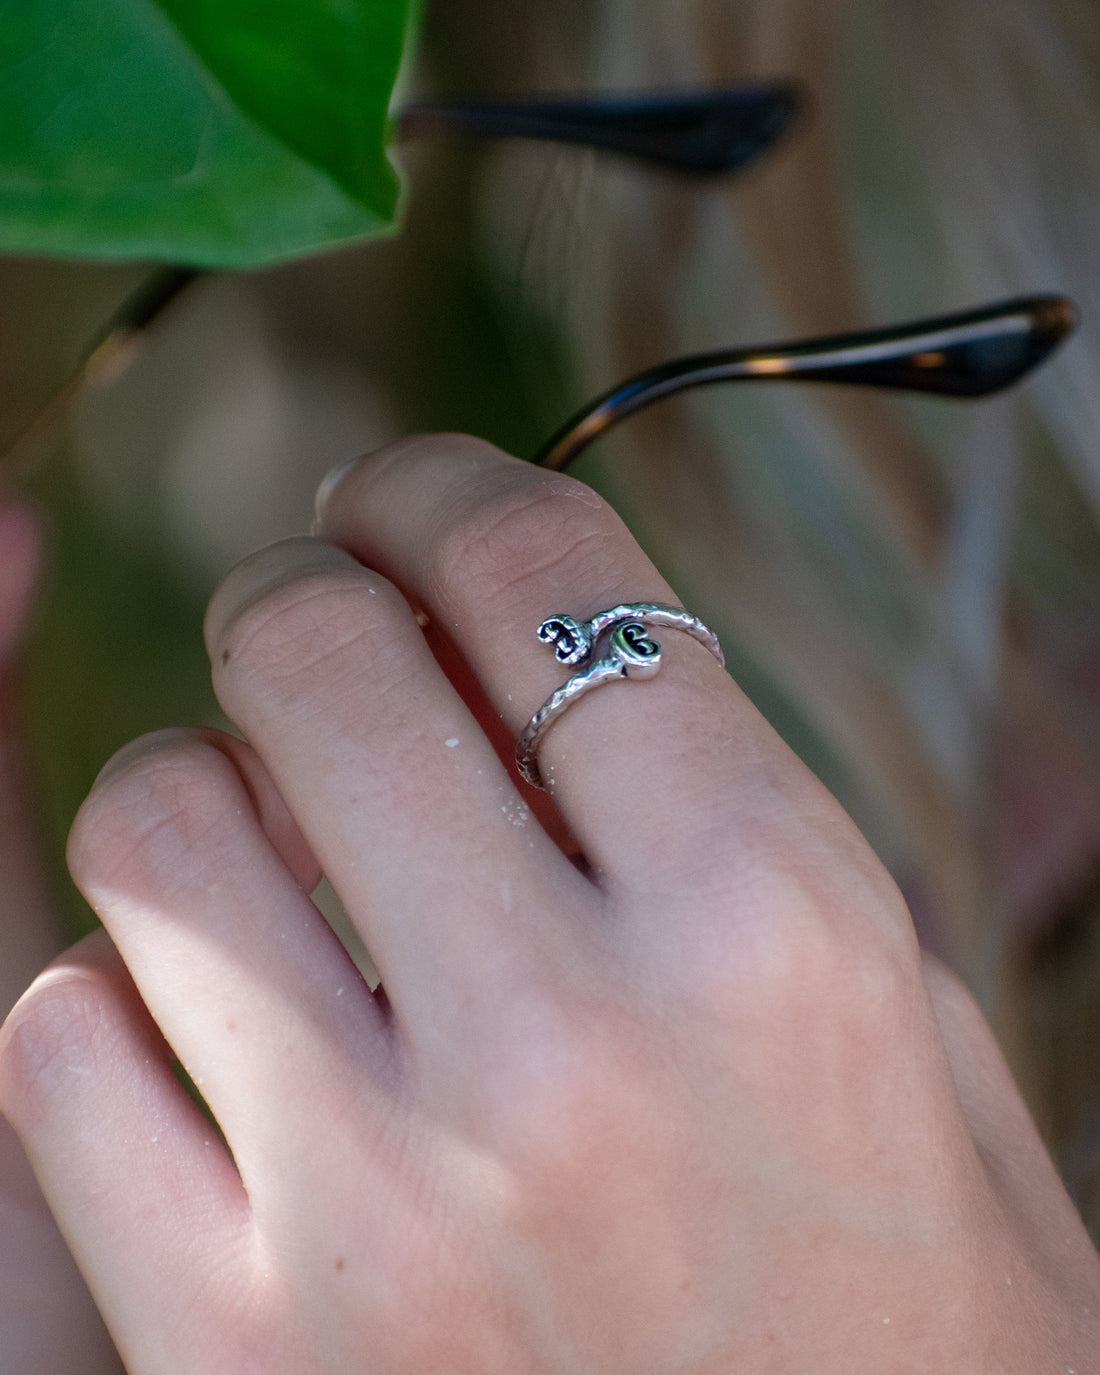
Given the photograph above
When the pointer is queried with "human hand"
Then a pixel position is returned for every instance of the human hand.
(48, 1323)
(692, 1106)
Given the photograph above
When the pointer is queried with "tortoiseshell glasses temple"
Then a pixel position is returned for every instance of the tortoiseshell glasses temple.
(970, 355)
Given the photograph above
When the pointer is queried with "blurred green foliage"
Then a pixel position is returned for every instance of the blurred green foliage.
(116, 651)
(207, 132)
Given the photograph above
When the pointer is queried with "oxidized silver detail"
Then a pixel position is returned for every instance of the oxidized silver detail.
(632, 654)
(575, 640)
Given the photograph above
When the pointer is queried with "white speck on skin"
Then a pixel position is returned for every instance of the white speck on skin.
(1008, 1279)
(886, 1320)
(152, 1140)
(450, 743)
(339, 992)
(517, 811)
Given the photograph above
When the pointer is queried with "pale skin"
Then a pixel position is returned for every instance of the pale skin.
(660, 1083)
(48, 1323)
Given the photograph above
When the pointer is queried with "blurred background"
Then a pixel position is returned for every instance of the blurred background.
(908, 588)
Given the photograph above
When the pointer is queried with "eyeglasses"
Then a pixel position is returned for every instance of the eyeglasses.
(702, 133)
(971, 355)
(705, 133)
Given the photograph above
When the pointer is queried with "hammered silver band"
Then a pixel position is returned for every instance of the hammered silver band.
(632, 654)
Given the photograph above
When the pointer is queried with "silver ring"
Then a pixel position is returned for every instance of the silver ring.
(632, 654)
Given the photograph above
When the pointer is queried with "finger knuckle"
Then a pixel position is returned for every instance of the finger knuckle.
(308, 644)
(154, 806)
(796, 958)
(520, 533)
(301, 636)
(49, 1041)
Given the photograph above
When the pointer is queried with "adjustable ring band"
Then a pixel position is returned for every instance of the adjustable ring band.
(632, 654)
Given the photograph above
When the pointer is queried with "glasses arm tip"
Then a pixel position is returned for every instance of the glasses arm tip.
(966, 356)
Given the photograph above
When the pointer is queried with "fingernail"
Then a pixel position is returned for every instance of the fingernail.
(329, 483)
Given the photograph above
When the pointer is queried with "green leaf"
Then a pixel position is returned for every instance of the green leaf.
(219, 133)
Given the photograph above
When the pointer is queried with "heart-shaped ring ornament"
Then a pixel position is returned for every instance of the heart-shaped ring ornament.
(639, 655)
(575, 641)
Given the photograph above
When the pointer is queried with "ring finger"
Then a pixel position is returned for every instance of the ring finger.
(655, 779)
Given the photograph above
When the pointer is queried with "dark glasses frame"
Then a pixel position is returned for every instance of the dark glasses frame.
(969, 355)
(698, 133)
